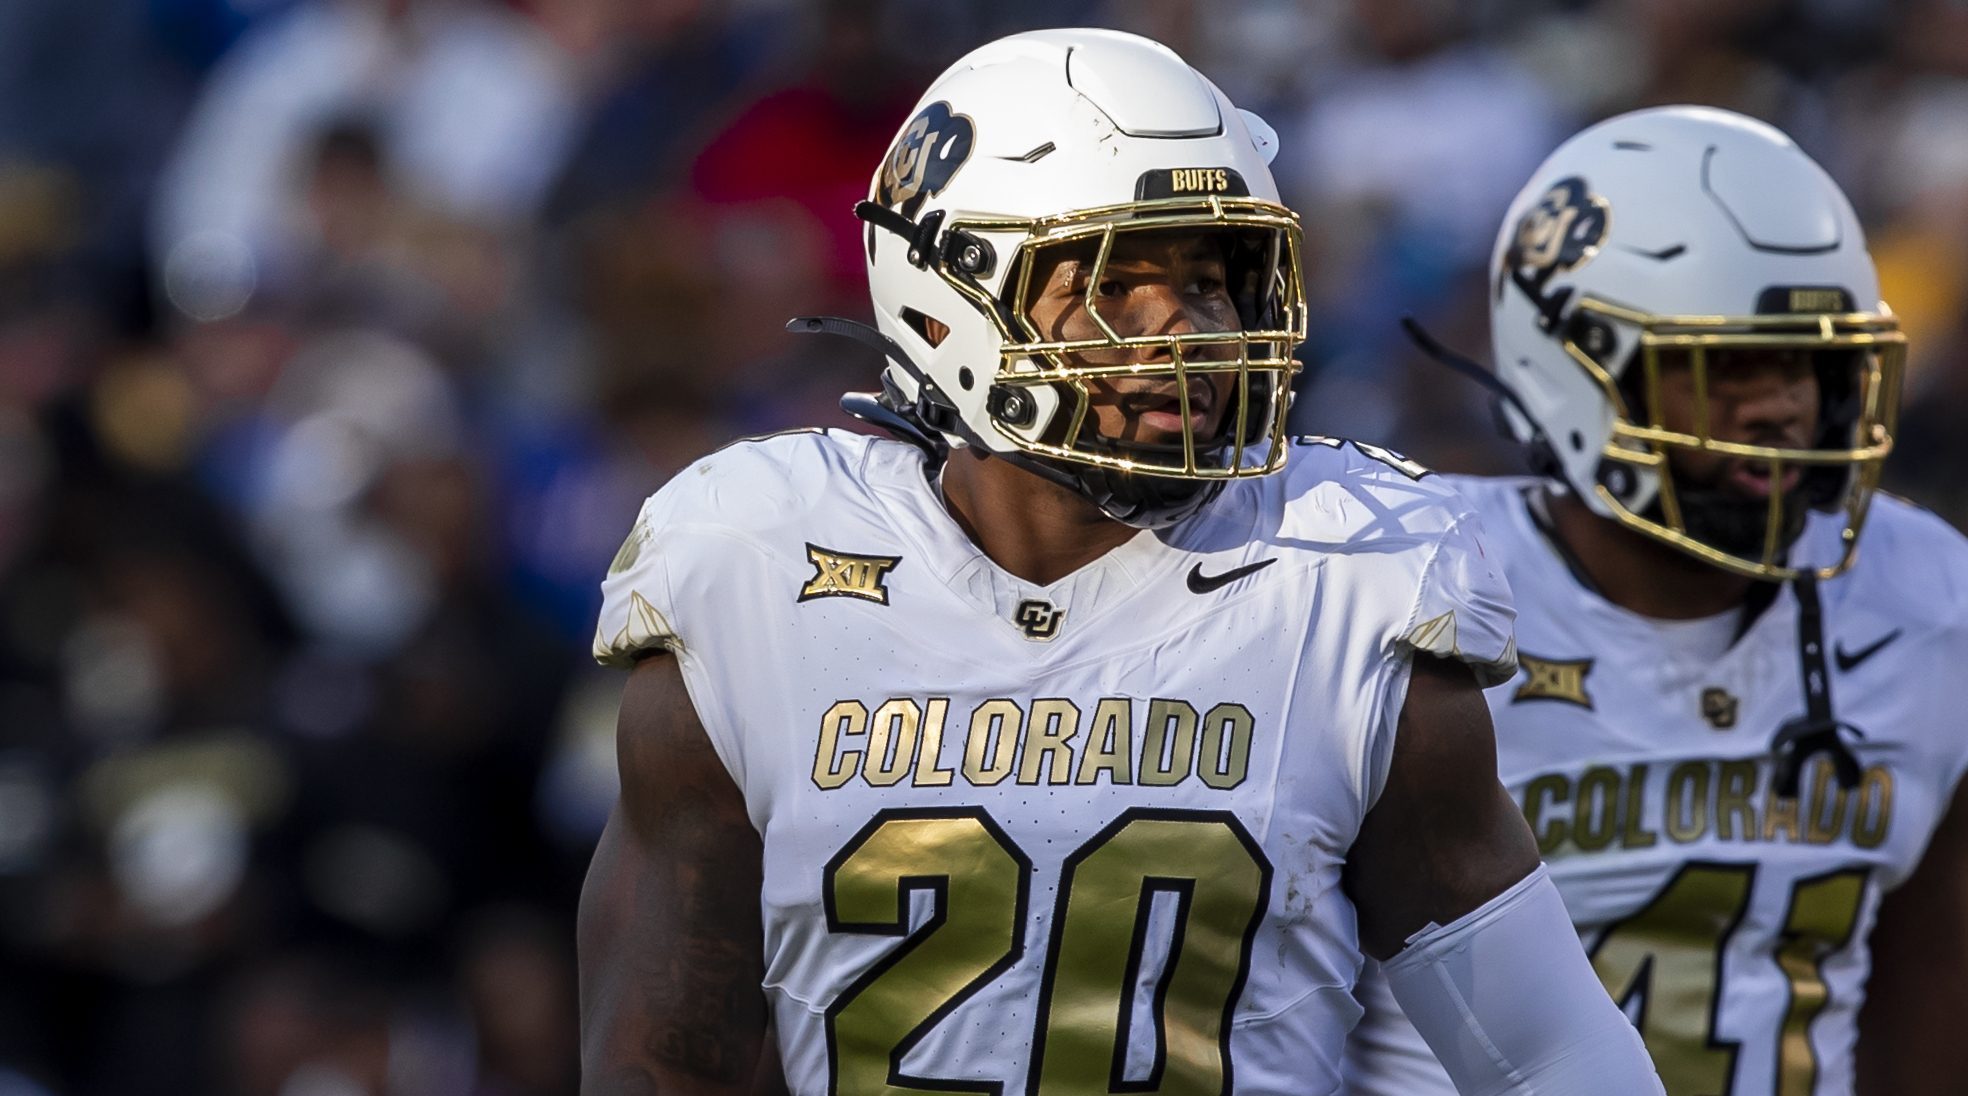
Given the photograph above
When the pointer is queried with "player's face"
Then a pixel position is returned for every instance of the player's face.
(1155, 283)
(1764, 397)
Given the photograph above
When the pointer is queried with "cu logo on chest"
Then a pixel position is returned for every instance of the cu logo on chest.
(1719, 706)
(1039, 620)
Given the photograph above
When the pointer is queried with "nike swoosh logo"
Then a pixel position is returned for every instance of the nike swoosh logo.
(1200, 583)
(1849, 661)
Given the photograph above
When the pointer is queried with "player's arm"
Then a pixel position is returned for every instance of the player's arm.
(1474, 939)
(1910, 1028)
(1445, 836)
(669, 936)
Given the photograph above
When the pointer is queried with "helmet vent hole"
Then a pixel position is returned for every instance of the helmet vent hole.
(1578, 439)
(965, 379)
(932, 330)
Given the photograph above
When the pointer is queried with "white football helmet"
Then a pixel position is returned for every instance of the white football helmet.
(1078, 136)
(1690, 233)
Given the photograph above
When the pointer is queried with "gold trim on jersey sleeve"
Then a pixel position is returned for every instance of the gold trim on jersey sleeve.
(644, 628)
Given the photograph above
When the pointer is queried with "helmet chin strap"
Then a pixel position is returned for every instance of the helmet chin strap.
(879, 409)
(1818, 729)
(1544, 458)
(1145, 502)
(922, 421)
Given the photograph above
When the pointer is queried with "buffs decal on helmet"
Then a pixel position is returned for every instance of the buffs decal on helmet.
(925, 158)
(1561, 232)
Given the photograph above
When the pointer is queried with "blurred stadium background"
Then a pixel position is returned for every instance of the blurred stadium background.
(339, 340)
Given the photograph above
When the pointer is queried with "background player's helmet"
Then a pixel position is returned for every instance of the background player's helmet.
(1074, 138)
(1688, 231)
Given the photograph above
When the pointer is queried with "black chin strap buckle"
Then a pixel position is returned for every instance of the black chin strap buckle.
(1817, 730)
(968, 255)
(930, 412)
(920, 235)
(1803, 736)
(880, 411)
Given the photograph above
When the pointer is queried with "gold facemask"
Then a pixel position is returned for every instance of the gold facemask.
(1878, 349)
(1260, 357)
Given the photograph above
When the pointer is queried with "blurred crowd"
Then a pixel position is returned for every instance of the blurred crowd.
(340, 339)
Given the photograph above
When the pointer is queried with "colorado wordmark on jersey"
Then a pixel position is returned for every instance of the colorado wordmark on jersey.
(1085, 837)
(1728, 920)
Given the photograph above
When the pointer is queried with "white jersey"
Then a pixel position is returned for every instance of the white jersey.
(1053, 839)
(1729, 922)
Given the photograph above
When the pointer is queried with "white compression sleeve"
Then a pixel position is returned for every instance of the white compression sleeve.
(1506, 999)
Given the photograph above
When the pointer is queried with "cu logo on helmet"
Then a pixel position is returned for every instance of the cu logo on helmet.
(925, 158)
(1562, 231)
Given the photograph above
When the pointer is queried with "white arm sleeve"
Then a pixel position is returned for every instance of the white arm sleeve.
(1507, 1000)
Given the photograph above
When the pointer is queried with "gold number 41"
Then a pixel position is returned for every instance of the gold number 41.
(1667, 959)
(979, 883)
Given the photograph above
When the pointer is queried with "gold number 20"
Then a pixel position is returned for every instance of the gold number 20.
(978, 880)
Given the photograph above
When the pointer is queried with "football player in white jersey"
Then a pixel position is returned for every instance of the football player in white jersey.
(1079, 739)
(1742, 770)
